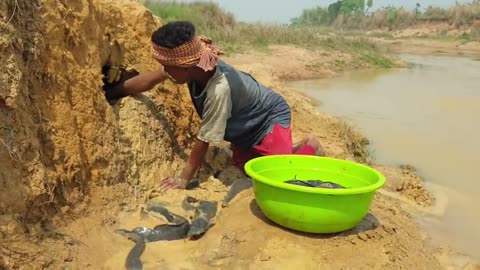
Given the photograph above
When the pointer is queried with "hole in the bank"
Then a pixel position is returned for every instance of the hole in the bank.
(113, 76)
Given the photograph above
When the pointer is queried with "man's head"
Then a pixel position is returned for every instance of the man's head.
(174, 34)
(181, 52)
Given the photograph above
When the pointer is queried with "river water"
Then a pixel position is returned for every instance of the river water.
(427, 116)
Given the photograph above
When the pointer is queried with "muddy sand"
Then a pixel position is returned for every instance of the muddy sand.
(73, 168)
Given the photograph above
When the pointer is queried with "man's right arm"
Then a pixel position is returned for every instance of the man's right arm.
(135, 85)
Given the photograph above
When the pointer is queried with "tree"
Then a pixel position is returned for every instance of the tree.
(352, 7)
(312, 16)
(334, 10)
(417, 9)
(369, 4)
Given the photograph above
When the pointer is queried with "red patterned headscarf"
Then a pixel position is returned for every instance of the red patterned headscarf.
(197, 52)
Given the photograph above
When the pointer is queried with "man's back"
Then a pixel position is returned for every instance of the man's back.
(254, 108)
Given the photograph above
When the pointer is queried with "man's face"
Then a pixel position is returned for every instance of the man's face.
(177, 74)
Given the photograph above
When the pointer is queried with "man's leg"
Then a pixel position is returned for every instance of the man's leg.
(298, 145)
(309, 146)
(240, 157)
(278, 142)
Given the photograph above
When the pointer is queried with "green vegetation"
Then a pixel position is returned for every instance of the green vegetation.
(355, 14)
(232, 36)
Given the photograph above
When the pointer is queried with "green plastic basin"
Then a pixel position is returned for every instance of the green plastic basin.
(313, 210)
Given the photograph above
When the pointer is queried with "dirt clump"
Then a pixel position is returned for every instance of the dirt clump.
(405, 181)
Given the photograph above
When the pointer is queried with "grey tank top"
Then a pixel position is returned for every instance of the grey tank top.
(255, 108)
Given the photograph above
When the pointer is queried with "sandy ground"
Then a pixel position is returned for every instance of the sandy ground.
(413, 39)
(440, 38)
(73, 168)
(428, 46)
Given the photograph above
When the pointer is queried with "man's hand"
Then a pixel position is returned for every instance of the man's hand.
(120, 82)
(196, 156)
(174, 182)
(113, 74)
(114, 79)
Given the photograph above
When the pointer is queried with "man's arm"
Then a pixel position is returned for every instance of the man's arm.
(194, 161)
(135, 85)
(217, 111)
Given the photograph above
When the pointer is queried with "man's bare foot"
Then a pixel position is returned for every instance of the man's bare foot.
(299, 145)
(313, 142)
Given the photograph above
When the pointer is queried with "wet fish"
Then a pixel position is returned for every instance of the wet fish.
(315, 184)
(237, 187)
(202, 218)
(179, 228)
(133, 261)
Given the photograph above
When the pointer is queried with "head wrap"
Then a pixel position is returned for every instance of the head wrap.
(197, 52)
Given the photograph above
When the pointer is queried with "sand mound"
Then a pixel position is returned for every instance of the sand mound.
(62, 146)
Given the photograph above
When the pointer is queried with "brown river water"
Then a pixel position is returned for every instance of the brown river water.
(427, 116)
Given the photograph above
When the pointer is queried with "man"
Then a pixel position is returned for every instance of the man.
(233, 106)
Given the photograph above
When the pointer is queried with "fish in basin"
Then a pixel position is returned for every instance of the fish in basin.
(315, 184)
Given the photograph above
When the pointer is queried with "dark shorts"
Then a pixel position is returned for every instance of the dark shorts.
(278, 142)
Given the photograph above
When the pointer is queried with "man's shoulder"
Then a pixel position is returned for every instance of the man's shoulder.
(218, 86)
(224, 67)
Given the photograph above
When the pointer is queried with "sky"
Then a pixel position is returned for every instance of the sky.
(281, 11)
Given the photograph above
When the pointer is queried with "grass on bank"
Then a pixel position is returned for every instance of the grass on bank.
(234, 37)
